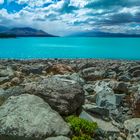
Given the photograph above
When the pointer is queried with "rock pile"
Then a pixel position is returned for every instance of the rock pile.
(36, 95)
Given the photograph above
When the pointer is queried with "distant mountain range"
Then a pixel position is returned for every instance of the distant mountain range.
(103, 34)
(23, 32)
(30, 32)
(2, 28)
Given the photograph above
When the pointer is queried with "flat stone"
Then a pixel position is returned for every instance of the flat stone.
(95, 110)
(103, 125)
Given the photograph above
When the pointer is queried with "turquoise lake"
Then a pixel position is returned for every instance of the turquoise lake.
(106, 48)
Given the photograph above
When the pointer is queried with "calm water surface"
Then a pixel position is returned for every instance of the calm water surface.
(109, 48)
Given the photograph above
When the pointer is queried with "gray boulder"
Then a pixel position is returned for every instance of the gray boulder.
(4, 79)
(122, 87)
(89, 88)
(125, 77)
(12, 91)
(64, 95)
(105, 96)
(133, 128)
(135, 71)
(74, 76)
(119, 98)
(2, 99)
(91, 98)
(28, 117)
(110, 74)
(105, 126)
(1, 92)
(34, 69)
(6, 72)
(95, 110)
(91, 74)
(58, 138)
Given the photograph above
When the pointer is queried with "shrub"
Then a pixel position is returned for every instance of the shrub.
(82, 129)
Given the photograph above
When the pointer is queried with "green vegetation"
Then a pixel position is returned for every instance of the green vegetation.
(82, 129)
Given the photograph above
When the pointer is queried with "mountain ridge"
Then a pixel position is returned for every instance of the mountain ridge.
(3, 28)
(32, 32)
(26, 32)
(103, 34)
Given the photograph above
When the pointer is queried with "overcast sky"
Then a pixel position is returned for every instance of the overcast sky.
(63, 17)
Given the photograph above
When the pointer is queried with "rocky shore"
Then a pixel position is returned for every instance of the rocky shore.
(37, 95)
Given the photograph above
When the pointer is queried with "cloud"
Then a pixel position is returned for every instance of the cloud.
(1, 1)
(31, 3)
(64, 17)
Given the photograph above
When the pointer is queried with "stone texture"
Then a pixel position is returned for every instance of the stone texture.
(103, 125)
(6, 72)
(58, 138)
(28, 117)
(95, 110)
(105, 96)
(34, 69)
(133, 127)
(60, 69)
(64, 95)
(12, 91)
(91, 74)
(122, 87)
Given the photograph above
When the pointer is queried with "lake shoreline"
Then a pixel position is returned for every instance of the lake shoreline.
(99, 90)
(67, 59)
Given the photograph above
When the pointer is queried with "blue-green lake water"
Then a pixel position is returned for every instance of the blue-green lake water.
(106, 48)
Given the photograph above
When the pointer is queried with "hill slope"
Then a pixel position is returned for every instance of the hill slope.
(104, 34)
(27, 32)
(3, 28)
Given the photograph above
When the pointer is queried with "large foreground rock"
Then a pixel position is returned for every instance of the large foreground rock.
(64, 95)
(28, 117)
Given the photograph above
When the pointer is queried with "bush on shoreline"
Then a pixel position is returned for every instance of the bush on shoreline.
(81, 128)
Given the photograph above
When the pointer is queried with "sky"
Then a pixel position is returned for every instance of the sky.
(64, 17)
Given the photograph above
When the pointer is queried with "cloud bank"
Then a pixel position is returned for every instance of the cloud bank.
(63, 17)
